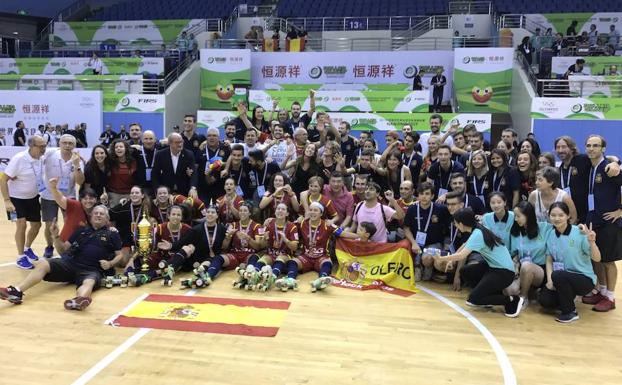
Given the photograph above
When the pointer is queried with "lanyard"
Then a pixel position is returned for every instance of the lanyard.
(245, 230)
(427, 224)
(134, 222)
(40, 175)
(175, 237)
(593, 176)
(440, 172)
(313, 234)
(412, 155)
(453, 233)
(210, 242)
(495, 187)
(277, 240)
(163, 216)
(466, 200)
(481, 191)
(565, 183)
(142, 149)
(265, 171)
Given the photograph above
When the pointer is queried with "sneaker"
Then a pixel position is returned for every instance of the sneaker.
(592, 299)
(480, 306)
(77, 303)
(515, 306)
(605, 305)
(525, 304)
(31, 254)
(567, 318)
(24, 263)
(428, 271)
(11, 294)
(48, 252)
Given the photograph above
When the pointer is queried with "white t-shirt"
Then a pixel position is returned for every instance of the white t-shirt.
(374, 215)
(423, 141)
(26, 171)
(55, 167)
(278, 152)
(248, 149)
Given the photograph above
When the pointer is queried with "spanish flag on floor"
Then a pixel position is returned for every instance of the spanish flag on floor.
(205, 314)
(369, 265)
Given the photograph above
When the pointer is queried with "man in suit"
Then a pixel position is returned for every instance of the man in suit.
(174, 167)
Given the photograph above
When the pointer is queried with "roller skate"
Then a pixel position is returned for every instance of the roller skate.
(187, 283)
(286, 283)
(167, 275)
(320, 283)
(241, 282)
(115, 280)
(252, 277)
(266, 279)
(136, 280)
(202, 279)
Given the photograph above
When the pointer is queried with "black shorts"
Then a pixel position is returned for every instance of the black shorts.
(28, 208)
(609, 242)
(64, 270)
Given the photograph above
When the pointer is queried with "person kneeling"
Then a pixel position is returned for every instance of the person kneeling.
(91, 249)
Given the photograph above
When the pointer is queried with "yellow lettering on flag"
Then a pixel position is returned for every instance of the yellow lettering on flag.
(295, 45)
(368, 265)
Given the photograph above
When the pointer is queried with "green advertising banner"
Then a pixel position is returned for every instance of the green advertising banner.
(594, 65)
(337, 86)
(560, 22)
(81, 66)
(577, 108)
(225, 77)
(344, 101)
(367, 121)
(483, 79)
(136, 32)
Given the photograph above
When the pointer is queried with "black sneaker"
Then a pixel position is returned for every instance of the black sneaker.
(515, 306)
(11, 294)
(568, 318)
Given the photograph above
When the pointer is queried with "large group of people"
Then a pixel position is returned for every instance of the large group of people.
(267, 198)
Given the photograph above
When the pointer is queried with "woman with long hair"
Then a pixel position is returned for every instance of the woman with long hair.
(570, 252)
(314, 194)
(477, 176)
(547, 193)
(433, 144)
(531, 146)
(500, 220)
(500, 273)
(279, 191)
(526, 164)
(229, 204)
(546, 159)
(122, 169)
(96, 170)
(303, 168)
(126, 216)
(503, 177)
(395, 173)
(528, 245)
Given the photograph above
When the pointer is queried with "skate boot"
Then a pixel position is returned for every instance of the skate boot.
(286, 283)
(186, 283)
(136, 280)
(267, 278)
(320, 283)
(168, 273)
(241, 282)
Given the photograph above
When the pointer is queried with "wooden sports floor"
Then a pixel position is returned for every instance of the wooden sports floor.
(336, 337)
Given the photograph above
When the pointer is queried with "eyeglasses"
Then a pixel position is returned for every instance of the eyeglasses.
(593, 145)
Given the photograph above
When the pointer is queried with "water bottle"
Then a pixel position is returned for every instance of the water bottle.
(13, 216)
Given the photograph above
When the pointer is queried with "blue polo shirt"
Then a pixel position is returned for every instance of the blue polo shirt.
(523, 246)
(507, 182)
(498, 257)
(606, 192)
(573, 249)
(502, 227)
(439, 222)
(441, 177)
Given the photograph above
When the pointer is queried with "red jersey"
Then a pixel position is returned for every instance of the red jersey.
(75, 217)
(285, 198)
(239, 245)
(315, 239)
(276, 245)
(223, 212)
(329, 209)
(197, 205)
(404, 207)
(162, 233)
(158, 213)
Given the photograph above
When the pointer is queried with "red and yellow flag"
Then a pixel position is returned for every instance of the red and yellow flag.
(206, 314)
(370, 265)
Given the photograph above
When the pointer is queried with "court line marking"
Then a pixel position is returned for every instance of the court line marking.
(509, 377)
(7, 264)
(128, 343)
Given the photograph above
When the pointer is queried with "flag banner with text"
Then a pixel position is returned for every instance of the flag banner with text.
(81, 66)
(375, 266)
(225, 77)
(577, 108)
(244, 317)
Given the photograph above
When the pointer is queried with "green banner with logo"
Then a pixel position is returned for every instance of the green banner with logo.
(225, 77)
(483, 79)
(81, 66)
(577, 108)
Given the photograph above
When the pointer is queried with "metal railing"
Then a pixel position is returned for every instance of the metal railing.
(519, 21)
(123, 53)
(316, 24)
(206, 25)
(470, 7)
(178, 70)
(424, 26)
(368, 44)
(91, 83)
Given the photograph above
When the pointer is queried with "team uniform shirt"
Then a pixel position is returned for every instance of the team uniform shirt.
(315, 239)
(107, 137)
(277, 200)
(570, 251)
(193, 143)
(501, 228)
(456, 238)
(291, 124)
(441, 176)
(474, 204)
(574, 180)
(206, 239)
(145, 159)
(531, 250)
(276, 245)
(414, 162)
(162, 233)
(28, 174)
(478, 187)
(362, 213)
(507, 182)
(95, 245)
(497, 258)
(329, 209)
(241, 246)
(257, 179)
(404, 206)
(225, 215)
(126, 217)
(160, 214)
(75, 217)
(55, 167)
(603, 195)
(428, 225)
(196, 204)
(348, 150)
